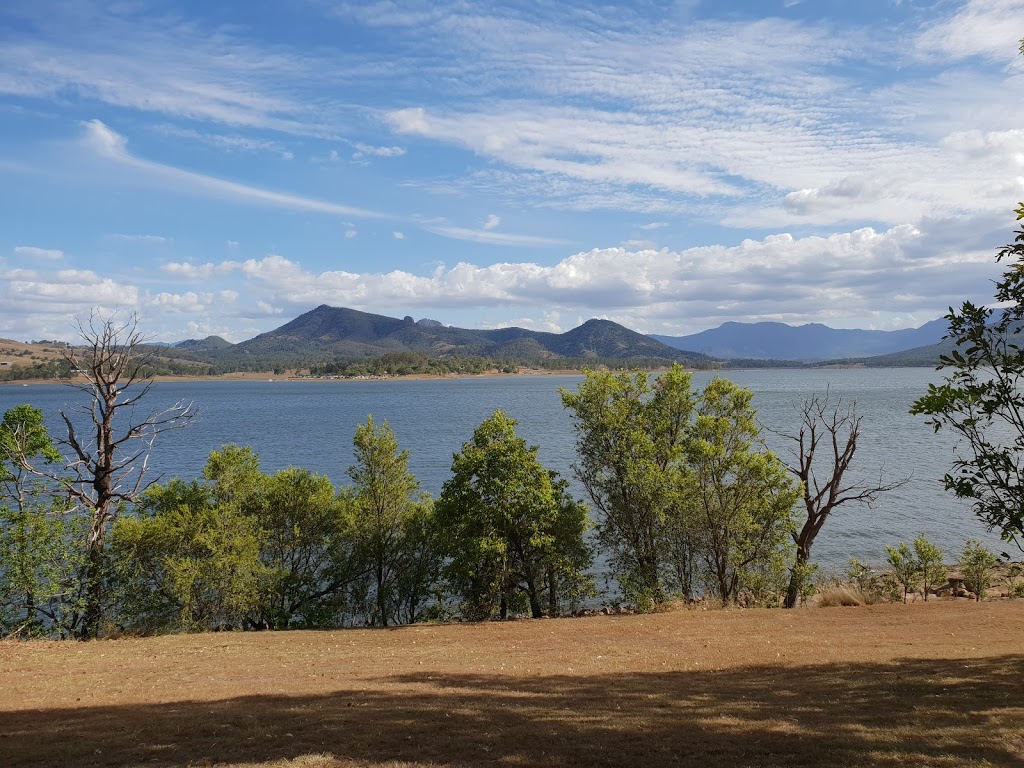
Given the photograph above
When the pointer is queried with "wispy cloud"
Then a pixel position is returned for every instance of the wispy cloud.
(490, 237)
(32, 252)
(142, 238)
(111, 145)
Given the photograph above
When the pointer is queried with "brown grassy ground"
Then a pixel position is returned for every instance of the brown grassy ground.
(929, 684)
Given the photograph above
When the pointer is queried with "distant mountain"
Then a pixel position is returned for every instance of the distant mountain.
(328, 333)
(209, 344)
(812, 342)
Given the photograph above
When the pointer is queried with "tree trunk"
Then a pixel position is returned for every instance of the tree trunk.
(381, 596)
(92, 613)
(803, 556)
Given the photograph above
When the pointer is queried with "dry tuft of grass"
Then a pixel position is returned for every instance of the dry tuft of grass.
(927, 684)
(845, 595)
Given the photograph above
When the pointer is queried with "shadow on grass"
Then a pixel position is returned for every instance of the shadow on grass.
(915, 712)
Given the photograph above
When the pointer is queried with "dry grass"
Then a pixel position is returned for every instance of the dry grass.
(927, 684)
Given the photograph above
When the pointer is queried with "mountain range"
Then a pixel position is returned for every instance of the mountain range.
(337, 332)
(333, 333)
(807, 343)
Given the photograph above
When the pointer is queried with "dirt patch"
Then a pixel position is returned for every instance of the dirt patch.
(928, 684)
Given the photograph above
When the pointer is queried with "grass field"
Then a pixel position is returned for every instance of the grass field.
(928, 684)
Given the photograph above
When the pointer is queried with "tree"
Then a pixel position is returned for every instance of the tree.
(833, 430)
(108, 462)
(39, 552)
(905, 568)
(977, 564)
(630, 441)
(184, 561)
(981, 400)
(929, 564)
(510, 528)
(308, 544)
(738, 496)
(387, 505)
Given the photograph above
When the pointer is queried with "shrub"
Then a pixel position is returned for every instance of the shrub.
(977, 564)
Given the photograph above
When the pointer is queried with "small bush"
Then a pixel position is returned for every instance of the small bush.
(977, 564)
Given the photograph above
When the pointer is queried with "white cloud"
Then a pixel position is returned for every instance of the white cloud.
(979, 28)
(492, 222)
(398, 235)
(859, 274)
(32, 252)
(350, 234)
(654, 225)
(188, 302)
(205, 271)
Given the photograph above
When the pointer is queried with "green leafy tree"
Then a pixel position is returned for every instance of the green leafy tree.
(40, 543)
(630, 443)
(977, 563)
(183, 561)
(308, 545)
(929, 563)
(905, 568)
(391, 523)
(738, 495)
(418, 564)
(981, 400)
(511, 531)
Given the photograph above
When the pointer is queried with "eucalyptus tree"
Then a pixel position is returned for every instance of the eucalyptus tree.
(738, 496)
(631, 440)
(510, 528)
(40, 553)
(392, 521)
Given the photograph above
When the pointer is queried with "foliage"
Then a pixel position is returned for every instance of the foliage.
(309, 546)
(41, 553)
(904, 568)
(1015, 585)
(511, 531)
(977, 563)
(738, 496)
(185, 562)
(982, 400)
(630, 443)
(929, 564)
(393, 522)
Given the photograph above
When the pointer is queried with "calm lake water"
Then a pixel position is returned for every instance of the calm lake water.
(310, 424)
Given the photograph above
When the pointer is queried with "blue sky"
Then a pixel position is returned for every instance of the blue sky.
(221, 168)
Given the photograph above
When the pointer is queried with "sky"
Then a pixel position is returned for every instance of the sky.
(221, 168)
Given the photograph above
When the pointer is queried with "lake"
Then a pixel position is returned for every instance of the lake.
(310, 424)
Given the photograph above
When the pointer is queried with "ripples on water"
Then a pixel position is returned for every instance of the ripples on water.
(310, 424)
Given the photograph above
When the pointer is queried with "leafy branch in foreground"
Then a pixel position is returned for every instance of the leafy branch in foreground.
(982, 400)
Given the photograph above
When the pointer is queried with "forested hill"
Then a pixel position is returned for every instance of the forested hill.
(332, 333)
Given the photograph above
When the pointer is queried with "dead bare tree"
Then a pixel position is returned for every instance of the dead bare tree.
(832, 427)
(109, 458)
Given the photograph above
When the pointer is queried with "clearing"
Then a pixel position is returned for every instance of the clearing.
(927, 684)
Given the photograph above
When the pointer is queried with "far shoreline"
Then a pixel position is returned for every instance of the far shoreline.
(271, 377)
